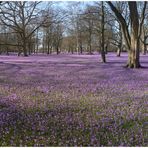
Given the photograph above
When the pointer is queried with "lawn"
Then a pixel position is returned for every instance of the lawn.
(72, 100)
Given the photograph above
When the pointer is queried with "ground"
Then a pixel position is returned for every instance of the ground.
(72, 100)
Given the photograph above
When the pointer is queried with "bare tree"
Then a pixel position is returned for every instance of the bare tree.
(75, 25)
(48, 31)
(122, 8)
(57, 37)
(132, 38)
(143, 39)
(144, 36)
(88, 26)
(98, 26)
(21, 16)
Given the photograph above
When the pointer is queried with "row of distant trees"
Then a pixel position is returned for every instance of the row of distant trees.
(111, 25)
(24, 25)
(32, 27)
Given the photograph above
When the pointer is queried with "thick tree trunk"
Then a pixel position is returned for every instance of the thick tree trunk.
(30, 48)
(25, 48)
(144, 52)
(81, 50)
(57, 49)
(103, 57)
(133, 55)
(132, 40)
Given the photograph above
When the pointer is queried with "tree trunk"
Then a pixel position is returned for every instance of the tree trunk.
(89, 43)
(106, 51)
(72, 50)
(118, 51)
(0, 50)
(102, 35)
(48, 48)
(81, 50)
(143, 40)
(57, 49)
(120, 42)
(24, 48)
(37, 42)
(132, 40)
(90, 51)
(133, 55)
(30, 47)
(144, 46)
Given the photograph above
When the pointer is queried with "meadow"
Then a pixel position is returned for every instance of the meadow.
(72, 100)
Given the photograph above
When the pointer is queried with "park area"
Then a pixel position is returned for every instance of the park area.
(72, 100)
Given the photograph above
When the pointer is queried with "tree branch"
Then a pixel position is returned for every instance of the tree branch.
(123, 24)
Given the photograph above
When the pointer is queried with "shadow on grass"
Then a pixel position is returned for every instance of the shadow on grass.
(47, 128)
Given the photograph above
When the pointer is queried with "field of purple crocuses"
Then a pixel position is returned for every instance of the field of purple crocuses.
(72, 100)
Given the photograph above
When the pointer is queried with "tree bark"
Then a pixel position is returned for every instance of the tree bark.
(106, 51)
(145, 46)
(48, 49)
(90, 36)
(119, 51)
(133, 60)
(132, 39)
(133, 55)
(81, 50)
(24, 48)
(102, 35)
(57, 49)
(120, 44)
